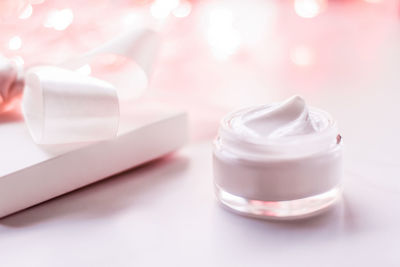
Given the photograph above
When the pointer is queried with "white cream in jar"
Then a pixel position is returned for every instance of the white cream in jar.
(278, 161)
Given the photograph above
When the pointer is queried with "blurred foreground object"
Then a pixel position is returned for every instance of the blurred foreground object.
(11, 84)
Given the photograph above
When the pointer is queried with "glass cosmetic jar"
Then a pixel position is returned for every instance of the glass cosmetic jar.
(278, 161)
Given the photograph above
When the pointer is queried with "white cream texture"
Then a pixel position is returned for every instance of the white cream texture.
(289, 128)
(288, 118)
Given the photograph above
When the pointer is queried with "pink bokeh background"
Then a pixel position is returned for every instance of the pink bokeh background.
(277, 48)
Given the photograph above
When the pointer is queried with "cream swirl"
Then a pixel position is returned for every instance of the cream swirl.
(287, 127)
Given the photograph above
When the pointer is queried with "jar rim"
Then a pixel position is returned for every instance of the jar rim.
(231, 140)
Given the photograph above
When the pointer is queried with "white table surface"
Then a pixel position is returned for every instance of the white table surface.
(165, 214)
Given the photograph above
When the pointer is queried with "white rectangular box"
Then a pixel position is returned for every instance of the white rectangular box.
(30, 174)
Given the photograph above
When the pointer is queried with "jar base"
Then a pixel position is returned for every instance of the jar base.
(279, 210)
